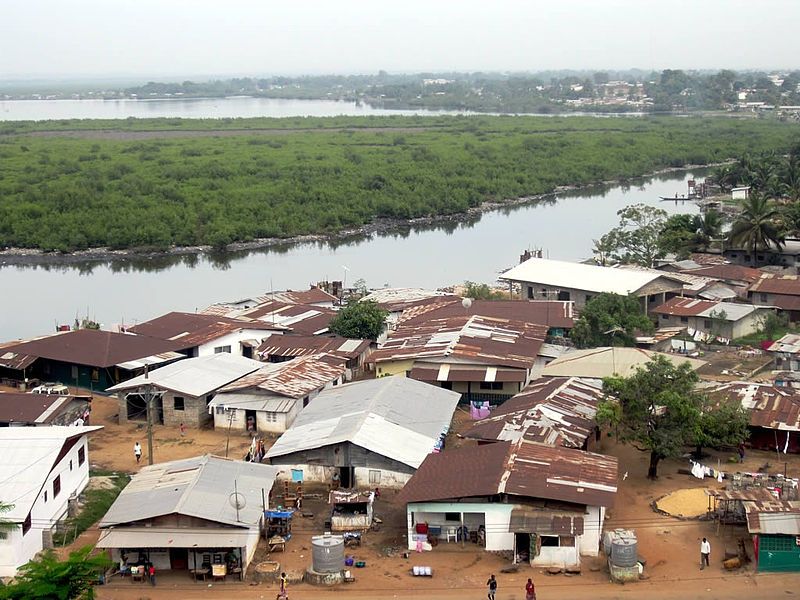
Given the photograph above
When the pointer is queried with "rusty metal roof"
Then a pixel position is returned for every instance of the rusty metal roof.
(304, 319)
(540, 312)
(521, 469)
(194, 329)
(559, 411)
(685, 307)
(455, 372)
(398, 299)
(753, 494)
(769, 406)
(727, 272)
(96, 348)
(770, 283)
(475, 339)
(22, 408)
(14, 360)
(292, 345)
(790, 344)
(773, 517)
(295, 378)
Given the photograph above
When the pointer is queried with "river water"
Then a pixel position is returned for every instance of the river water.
(34, 298)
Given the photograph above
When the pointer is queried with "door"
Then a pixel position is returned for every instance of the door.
(347, 477)
(178, 559)
(522, 548)
(250, 419)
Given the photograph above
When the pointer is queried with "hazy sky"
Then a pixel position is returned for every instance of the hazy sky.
(158, 38)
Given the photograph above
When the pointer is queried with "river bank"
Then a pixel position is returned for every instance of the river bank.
(381, 226)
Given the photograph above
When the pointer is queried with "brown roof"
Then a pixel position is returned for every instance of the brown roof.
(455, 372)
(523, 469)
(17, 407)
(684, 307)
(193, 329)
(303, 319)
(773, 517)
(295, 378)
(784, 302)
(552, 314)
(14, 360)
(704, 258)
(770, 406)
(727, 272)
(555, 410)
(788, 285)
(475, 339)
(94, 348)
(291, 345)
(313, 295)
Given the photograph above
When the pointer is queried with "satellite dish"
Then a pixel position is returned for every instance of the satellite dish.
(237, 501)
(466, 302)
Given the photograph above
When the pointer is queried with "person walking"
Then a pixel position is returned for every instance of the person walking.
(492, 585)
(152, 573)
(183, 429)
(530, 590)
(741, 452)
(705, 554)
(282, 595)
(137, 452)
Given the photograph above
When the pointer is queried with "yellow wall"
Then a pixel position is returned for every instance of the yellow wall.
(397, 367)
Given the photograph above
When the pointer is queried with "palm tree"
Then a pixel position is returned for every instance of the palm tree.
(790, 183)
(707, 227)
(6, 525)
(757, 226)
(725, 176)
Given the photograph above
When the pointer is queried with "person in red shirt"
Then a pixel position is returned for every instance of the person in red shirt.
(530, 590)
(152, 573)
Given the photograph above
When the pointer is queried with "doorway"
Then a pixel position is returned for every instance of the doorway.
(347, 477)
(250, 419)
(178, 559)
(522, 547)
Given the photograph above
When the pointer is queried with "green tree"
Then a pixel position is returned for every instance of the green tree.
(47, 578)
(610, 320)
(758, 226)
(725, 425)
(655, 410)
(359, 320)
(481, 291)
(636, 240)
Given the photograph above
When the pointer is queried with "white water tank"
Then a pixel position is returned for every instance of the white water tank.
(327, 553)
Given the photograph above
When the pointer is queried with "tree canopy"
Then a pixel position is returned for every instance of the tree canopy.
(636, 239)
(658, 410)
(47, 578)
(481, 291)
(610, 320)
(758, 226)
(360, 320)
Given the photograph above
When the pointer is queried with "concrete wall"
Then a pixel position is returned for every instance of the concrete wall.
(496, 518)
(194, 414)
(397, 367)
(728, 329)
(234, 341)
(18, 549)
(274, 422)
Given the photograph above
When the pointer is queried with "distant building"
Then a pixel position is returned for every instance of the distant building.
(707, 320)
(780, 291)
(740, 193)
(775, 527)
(42, 472)
(597, 363)
(354, 353)
(22, 410)
(788, 255)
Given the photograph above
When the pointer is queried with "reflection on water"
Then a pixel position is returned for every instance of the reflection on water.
(425, 254)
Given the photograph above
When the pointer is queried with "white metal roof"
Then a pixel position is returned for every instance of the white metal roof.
(28, 455)
(605, 362)
(264, 401)
(195, 376)
(198, 487)
(563, 274)
(396, 417)
(170, 538)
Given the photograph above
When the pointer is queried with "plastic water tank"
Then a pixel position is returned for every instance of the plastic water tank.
(623, 550)
(327, 553)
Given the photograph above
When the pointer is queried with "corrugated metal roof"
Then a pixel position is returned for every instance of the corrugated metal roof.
(302, 345)
(455, 372)
(194, 376)
(694, 307)
(727, 272)
(754, 494)
(94, 348)
(789, 344)
(194, 329)
(305, 319)
(597, 363)
(197, 487)
(149, 361)
(14, 360)
(773, 517)
(769, 406)
(31, 408)
(396, 417)
(265, 401)
(524, 469)
(28, 455)
(151, 537)
(539, 312)
(769, 283)
(558, 411)
(476, 339)
(397, 299)
(591, 278)
(294, 378)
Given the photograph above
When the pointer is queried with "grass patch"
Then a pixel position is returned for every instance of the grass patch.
(96, 504)
(755, 339)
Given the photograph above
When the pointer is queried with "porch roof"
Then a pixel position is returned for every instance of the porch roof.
(169, 538)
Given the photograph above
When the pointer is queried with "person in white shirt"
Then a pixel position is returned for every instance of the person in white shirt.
(705, 553)
(137, 451)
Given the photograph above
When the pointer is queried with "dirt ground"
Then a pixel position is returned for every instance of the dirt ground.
(669, 545)
(733, 365)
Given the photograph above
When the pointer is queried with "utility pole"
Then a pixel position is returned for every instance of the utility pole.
(230, 422)
(149, 399)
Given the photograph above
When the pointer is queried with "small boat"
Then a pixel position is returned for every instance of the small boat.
(684, 198)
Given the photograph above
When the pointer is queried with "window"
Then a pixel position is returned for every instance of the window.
(491, 385)
(684, 319)
(550, 541)
(763, 297)
(446, 385)
(3, 536)
(70, 465)
(220, 410)
(665, 317)
(221, 349)
(26, 524)
(81, 455)
(177, 403)
(74, 372)
(589, 297)
(374, 477)
(56, 486)
(452, 517)
(45, 495)
(95, 375)
(272, 417)
(567, 541)
(707, 323)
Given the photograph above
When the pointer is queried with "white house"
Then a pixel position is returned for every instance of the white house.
(546, 504)
(707, 320)
(42, 470)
